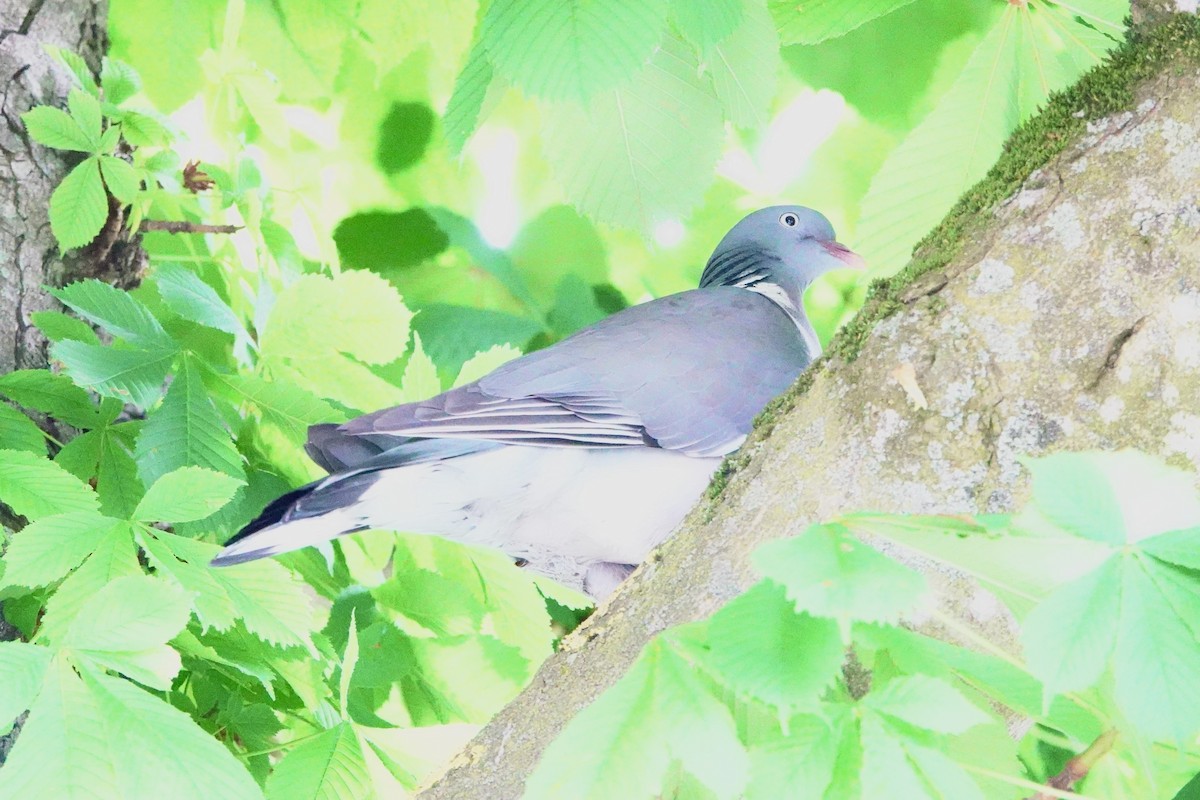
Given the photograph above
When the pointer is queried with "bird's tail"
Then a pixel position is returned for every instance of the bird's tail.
(300, 518)
(343, 502)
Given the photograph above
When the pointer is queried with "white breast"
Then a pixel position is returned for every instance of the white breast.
(583, 504)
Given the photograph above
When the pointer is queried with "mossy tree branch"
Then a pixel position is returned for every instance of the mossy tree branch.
(1056, 308)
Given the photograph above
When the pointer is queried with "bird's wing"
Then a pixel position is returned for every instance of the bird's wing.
(339, 452)
(687, 372)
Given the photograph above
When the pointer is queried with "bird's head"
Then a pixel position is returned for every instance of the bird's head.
(778, 251)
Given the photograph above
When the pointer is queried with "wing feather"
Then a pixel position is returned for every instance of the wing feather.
(687, 372)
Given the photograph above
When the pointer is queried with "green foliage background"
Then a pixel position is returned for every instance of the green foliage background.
(422, 190)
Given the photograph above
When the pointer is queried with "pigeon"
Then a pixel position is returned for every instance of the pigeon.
(578, 459)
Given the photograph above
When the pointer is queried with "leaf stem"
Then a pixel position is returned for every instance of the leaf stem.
(1025, 784)
(280, 746)
(988, 646)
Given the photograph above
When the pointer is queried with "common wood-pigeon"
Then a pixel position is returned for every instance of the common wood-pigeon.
(581, 457)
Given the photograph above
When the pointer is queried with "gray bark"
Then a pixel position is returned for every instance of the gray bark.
(29, 257)
(29, 172)
(1069, 321)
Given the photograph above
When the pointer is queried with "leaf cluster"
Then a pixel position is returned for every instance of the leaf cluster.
(189, 399)
(808, 685)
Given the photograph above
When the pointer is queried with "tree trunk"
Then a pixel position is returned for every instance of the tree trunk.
(1057, 308)
(29, 257)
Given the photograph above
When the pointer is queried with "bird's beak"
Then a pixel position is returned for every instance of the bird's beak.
(845, 255)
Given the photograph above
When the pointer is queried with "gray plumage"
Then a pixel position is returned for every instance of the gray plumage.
(582, 391)
(656, 393)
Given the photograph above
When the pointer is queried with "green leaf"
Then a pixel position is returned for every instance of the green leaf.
(556, 241)
(22, 668)
(78, 68)
(1005, 682)
(136, 612)
(132, 376)
(109, 141)
(1190, 790)
(762, 647)
(248, 664)
(61, 751)
(145, 130)
(58, 326)
(815, 21)
(43, 390)
(192, 298)
(184, 431)
(899, 768)
(186, 494)
(85, 110)
(1157, 663)
(154, 667)
(407, 596)
(829, 573)
(117, 481)
(454, 334)
(115, 310)
(328, 767)
(79, 205)
(1181, 547)
(461, 232)
(35, 487)
(464, 109)
(1073, 491)
(56, 128)
(1070, 635)
(349, 662)
(80, 455)
(420, 376)
(575, 306)
(269, 600)
(926, 702)
(121, 178)
(17, 432)
(1017, 563)
(745, 69)
(103, 454)
(796, 767)
(1003, 83)
(46, 550)
(79, 728)
(624, 743)
(113, 557)
(646, 159)
(516, 608)
(324, 332)
(284, 405)
(571, 49)
(704, 23)
(1112, 497)
(119, 81)
(482, 363)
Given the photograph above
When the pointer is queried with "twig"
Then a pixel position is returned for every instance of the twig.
(1078, 767)
(1012, 780)
(171, 226)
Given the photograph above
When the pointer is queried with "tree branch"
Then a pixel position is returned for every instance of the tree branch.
(174, 226)
(1077, 768)
(1010, 331)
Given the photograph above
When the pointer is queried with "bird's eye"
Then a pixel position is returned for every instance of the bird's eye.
(789, 219)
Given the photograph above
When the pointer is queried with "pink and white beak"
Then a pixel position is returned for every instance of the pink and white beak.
(845, 255)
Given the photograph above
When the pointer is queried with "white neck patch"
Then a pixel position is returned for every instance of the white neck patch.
(775, 293)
